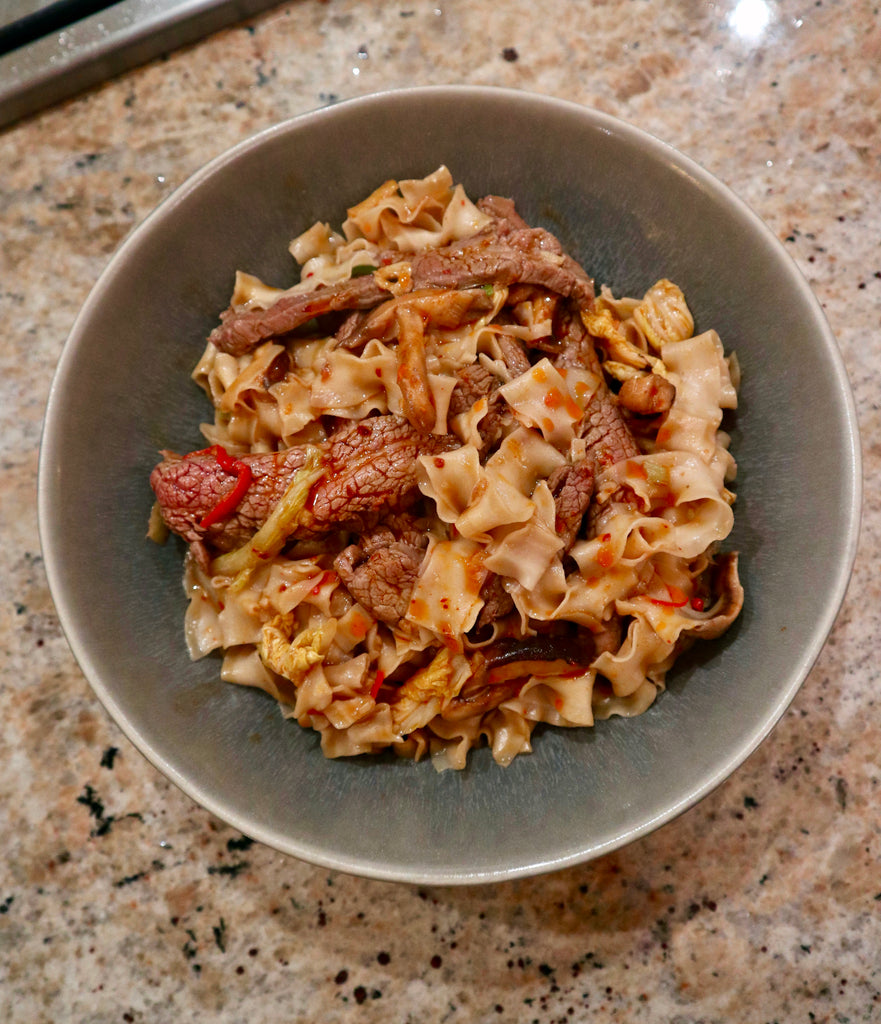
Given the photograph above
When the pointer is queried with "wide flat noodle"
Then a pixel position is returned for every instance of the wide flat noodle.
(482, 544)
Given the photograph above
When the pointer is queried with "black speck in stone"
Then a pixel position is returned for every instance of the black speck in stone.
(360, 994)
(383, 957)
(90, 800)
(750, 803)
(108, 757)
(244, 843)
(341, 977)
(436, 961)
(6, 904)
(219, 931)
(229, 869)
(128, 879)
(510, 54)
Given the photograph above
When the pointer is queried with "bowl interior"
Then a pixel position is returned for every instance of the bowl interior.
(632, 211)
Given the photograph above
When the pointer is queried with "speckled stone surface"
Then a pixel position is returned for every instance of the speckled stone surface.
(120, 900)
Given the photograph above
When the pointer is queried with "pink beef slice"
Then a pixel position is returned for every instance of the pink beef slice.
(370, 472)
(507, 252)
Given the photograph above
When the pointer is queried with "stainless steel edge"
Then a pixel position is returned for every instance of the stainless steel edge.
(104, 45)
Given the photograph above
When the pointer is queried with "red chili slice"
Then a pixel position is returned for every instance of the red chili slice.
(377, 683)
(228, 504)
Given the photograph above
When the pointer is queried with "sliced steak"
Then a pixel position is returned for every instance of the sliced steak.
(241, 332)
(381, 573)
(502, 255)
(370, 471)
(607, 435)
(473, 382)
(572, 488)
(188, 487)
(497, 602)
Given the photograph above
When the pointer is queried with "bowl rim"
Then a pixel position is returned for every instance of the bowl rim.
(51, 439)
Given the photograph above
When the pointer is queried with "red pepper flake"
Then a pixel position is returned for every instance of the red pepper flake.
(439, 462)
(228, 504)
(326, 578)
(377, 683)
(697, 603)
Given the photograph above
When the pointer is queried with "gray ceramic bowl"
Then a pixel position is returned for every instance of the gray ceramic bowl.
(632, 210)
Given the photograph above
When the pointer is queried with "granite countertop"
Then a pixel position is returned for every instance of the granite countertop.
(121, 900)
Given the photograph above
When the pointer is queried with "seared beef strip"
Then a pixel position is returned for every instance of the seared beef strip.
(370, 471)
(603, 428)
(497, 602)
(188, 487)
(381, 570)
(572, 488)
(501, 255)
(503, 211)
(473, 382)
